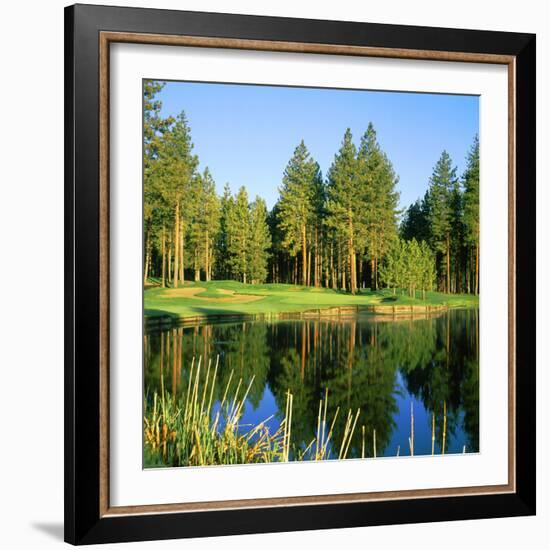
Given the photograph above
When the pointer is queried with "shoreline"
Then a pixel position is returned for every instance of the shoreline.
(384, 312)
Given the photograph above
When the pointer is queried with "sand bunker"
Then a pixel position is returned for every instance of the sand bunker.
(240, 298)
(181, 292)
(191, 292)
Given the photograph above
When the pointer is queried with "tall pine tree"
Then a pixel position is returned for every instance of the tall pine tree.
(206, 224)
(470, 181)
(344, 207)
(297, 206)
(260, 242)
(238, 229)
(377, 183)
(177, 165)
(441, 190)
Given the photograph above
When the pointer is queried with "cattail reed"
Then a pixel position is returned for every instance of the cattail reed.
(433, 433)
(411, 438)
(444, 427)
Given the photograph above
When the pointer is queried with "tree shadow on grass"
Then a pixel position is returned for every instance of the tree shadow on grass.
(159, 313)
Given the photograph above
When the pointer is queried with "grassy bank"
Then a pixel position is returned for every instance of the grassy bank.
(215, 298)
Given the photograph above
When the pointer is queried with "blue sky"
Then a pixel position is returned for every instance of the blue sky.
(246, 134)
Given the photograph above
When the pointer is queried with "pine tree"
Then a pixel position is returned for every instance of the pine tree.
(442, 186)
(378, 198)
(297, 204)
(345, 208)
(415, 222)
(153, 124)
(177, 171)
(471, 210)
(317, 229)
(154, 206)
(389, 269)
(205, 224)
(428, 274)
(222, 266)
(260, 242)
(238, 236)
(457, 237)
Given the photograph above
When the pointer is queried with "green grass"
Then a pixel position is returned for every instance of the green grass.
(211, 292)
(223, 298)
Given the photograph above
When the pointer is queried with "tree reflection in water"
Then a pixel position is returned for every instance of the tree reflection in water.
(377, 365)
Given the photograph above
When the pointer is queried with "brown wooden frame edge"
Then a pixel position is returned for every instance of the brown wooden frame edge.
(107, 38)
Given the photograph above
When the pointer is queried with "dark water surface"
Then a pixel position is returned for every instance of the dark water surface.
(382, 366)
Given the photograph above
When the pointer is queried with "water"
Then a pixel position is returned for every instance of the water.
(378, 365)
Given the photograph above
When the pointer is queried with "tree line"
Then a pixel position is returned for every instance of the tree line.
(341, 231)
(448, 219)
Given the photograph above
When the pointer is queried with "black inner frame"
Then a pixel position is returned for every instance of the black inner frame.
(83, 524)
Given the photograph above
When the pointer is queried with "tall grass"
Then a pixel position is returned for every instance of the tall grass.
(189, 430)
(185, 431)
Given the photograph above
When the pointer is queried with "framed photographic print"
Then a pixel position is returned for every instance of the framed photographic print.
(299, 274)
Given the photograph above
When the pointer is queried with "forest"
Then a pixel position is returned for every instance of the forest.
(342, 230)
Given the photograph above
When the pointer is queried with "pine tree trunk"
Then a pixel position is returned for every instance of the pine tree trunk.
(372, 270)
(304, 257)
(477, 269)
(309, 267)
(163, 269)
(342, 263)
(469, 272)
(352, 260)
(181, 266)
(196, 265)
(332, 278)
(448, 282)
(147, 255)
(339, 267)
(352, 272)
(316, 272)
(206, 257)
(176, 242)
(169, 262)
(210, 263)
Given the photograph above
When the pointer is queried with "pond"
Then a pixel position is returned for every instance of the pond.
(413, 384)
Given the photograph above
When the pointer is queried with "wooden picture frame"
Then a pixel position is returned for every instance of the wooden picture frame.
(89, 32)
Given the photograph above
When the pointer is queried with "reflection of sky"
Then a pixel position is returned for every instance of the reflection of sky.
(266, 408)
(402, 420)
(422, 426)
